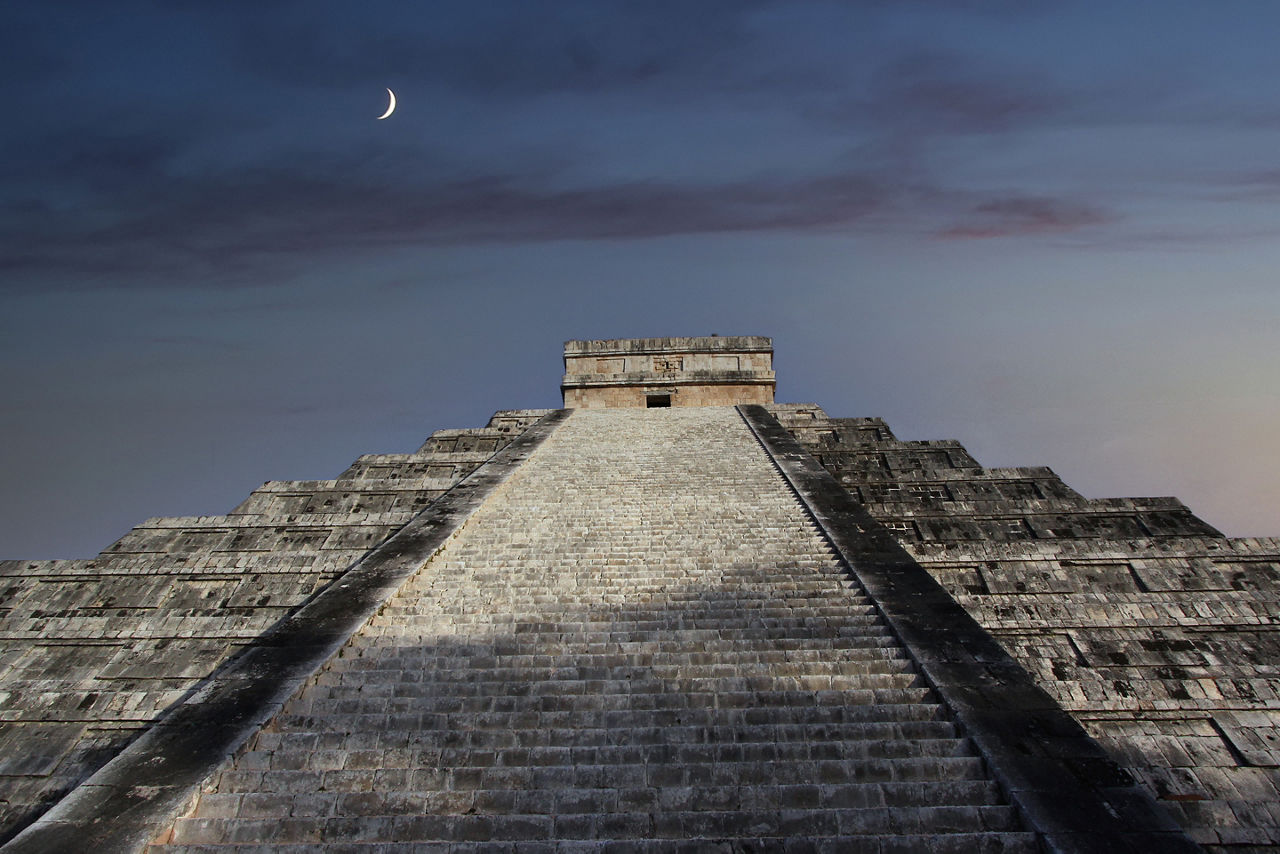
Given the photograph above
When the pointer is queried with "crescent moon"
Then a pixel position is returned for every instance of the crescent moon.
(391, 108)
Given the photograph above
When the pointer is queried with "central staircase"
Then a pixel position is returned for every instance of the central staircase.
(639, 643)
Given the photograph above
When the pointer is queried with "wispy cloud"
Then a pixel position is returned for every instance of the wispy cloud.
(926, 95)
(941, 92)
(1015, 216)
(201, 225)
(1262, 185)
(237, 222)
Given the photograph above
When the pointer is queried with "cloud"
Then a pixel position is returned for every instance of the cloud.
(243, 223)
(1014, 216)
(252, 177)
(510, 48)
(1262, 185)
(132, 206)
(506, 48)
(922, 96)
(202, 225)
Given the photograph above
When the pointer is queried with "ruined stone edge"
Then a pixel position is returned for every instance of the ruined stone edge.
(133, 797)
(1068, 789)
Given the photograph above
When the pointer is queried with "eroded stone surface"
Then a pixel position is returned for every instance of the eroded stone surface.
(660, 372)
(1158, 634)
(640, 637)
(93, 651)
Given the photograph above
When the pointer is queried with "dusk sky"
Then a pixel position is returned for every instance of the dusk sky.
(1048, 230)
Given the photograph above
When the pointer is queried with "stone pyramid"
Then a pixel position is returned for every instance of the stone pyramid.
(673, 616)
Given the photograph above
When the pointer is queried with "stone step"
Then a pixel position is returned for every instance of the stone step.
(626, 602)
(424, 663)
(807, 577)
(779, 607)
(873, 673)
(819, 567)
(665, 824)
(586, 615)
(282, 757)
(606, 800)
(947, 771)
(634, 775)
(793, 706)
(588, 595)
(951, 843)
(941, 777)
(876, 673)
(673, 644)
(746, 627)
(575, 696)
(285, 755)
(904, 732)
(619, 719)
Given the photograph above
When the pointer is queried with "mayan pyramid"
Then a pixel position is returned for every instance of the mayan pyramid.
(671, 616)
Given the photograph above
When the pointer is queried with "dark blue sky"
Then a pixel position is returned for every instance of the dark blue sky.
(1045, 229)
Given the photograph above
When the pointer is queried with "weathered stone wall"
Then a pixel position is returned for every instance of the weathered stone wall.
(681, 393)
(92, 651)
(627, 373)
(1158, 634)
(675, 359)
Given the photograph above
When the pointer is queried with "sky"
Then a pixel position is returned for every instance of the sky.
(1048, 230)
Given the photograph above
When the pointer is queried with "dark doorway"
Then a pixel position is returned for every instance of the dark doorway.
(655, 400)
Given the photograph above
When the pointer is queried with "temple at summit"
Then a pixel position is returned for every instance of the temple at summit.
(673, 615)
